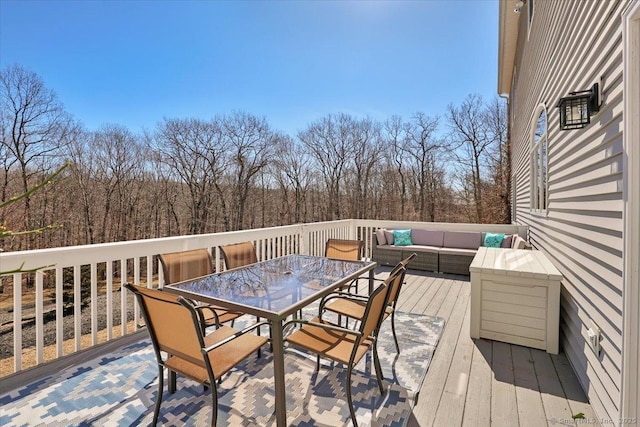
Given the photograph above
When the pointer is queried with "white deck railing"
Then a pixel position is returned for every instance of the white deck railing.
(135, 262)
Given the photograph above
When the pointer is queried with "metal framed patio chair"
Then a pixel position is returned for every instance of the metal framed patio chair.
(342, 304)
(344, 345)
(345, 250)
(181, 344)
(186, 265)
(239, 254)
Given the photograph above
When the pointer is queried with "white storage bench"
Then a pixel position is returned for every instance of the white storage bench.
(515, 298)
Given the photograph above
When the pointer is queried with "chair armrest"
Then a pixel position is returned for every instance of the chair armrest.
(335, 295)
(324, 326)
(234, 336)
(355, 281)
(201, 307)
(341, 294)
(357, 298)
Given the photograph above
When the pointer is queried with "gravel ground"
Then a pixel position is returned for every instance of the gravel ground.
(29, 331)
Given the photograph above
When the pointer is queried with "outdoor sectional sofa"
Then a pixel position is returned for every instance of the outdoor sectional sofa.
(437, 250)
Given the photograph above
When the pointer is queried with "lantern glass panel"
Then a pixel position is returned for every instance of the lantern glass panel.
(574, 112)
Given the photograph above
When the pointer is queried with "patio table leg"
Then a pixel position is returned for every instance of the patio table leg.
(278, 372)
(371, 277)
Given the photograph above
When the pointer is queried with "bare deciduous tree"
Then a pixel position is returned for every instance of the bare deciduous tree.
(366, 148)
(421, 147)
(291, 169)
(468, 132)
(84, 181)
(34, 128)
(330, 141)
(395, 138)
(495, 117)
(195, 153)
(251, 147)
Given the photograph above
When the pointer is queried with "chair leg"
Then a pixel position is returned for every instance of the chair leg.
(214, 405)
(156, 410)
(350, 399)
(172, 381)
(393, 330)
(258, 333)
(376, 363)
(317, 363)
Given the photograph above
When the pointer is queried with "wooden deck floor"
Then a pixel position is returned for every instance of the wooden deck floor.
(482, 382)
(477, 382)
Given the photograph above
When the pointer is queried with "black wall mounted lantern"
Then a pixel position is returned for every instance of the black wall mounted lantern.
(577, 108)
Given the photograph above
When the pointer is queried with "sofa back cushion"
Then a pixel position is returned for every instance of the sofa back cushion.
(506, 243)
(427, 237)
(388, 234)
(520, 243)
(462, 239)
(382, 240)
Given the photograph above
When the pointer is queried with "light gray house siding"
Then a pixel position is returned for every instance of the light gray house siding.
(569, 46)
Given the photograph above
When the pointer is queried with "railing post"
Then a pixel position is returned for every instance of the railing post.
(353, 232)
(303, 239)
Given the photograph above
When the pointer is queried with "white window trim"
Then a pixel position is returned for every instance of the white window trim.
(630, 392)
(534, 208)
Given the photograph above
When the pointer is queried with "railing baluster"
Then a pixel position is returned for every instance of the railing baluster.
(59, 312)
(149, 271)
(161, 272)
(123, 297)
(17, 322)
(77, 306)
(94, 303)
(39, 317)
(109, 273)
(136, 271)
(136, 281)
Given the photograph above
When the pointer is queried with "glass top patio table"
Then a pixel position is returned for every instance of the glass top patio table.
(274, 289)
(280, 285)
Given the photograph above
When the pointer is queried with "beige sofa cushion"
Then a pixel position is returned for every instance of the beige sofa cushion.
(422, 248)
(457, 251)
(392, 247)
(388, 234)
(382, 239)
(427, 237)
(462, 239)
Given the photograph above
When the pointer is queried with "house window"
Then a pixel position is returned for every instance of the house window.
(539, 164)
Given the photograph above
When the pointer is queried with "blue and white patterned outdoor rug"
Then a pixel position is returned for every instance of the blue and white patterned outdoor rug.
(120, 388)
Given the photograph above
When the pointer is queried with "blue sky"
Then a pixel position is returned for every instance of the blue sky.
(134, 62)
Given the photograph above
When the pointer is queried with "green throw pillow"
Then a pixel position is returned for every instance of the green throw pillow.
(492, 240)
(402, 237)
